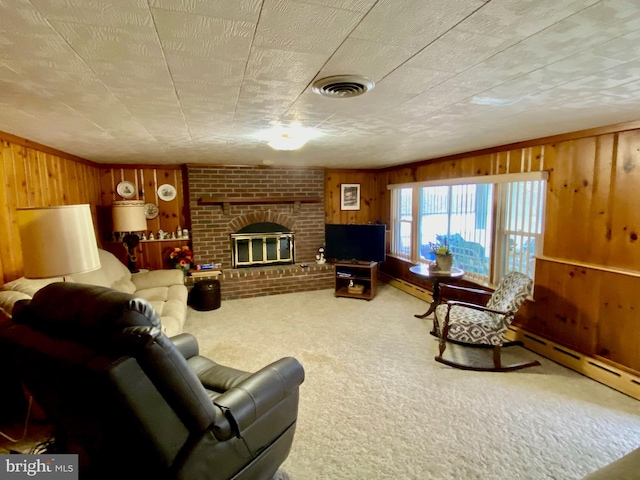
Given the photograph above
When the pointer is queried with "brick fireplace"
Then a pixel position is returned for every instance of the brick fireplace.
(225, 200)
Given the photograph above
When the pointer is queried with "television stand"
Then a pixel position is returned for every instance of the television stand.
(358, 262)
(362, 274)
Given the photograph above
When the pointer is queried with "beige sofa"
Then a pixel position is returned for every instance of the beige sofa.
(163, 289)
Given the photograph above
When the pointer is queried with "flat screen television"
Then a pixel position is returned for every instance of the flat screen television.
(355, 243)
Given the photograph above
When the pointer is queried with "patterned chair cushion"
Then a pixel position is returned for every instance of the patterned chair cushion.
(474, 326)
(511, 292)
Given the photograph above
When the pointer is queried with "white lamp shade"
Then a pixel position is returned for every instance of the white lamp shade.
(128, 216)
(57, 241)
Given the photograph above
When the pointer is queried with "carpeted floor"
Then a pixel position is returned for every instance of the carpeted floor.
(375, 405)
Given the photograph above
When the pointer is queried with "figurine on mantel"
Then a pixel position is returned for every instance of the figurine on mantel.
(320, 256)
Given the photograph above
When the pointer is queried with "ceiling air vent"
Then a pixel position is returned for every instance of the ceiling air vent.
(342, 86)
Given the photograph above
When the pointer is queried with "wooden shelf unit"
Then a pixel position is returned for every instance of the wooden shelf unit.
(365, 274)
(152, 254)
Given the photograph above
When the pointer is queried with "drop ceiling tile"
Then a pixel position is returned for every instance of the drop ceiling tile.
(292, 90)
(96, 12)
(113, 44)
(613, 16)
(361, 6)
(22, 40)
(410, 80)
(303, 27)
(457, 51)
(625, 91)
(241, 10)
(583, 64)
(412, 23)
(215, 71)
(201, 36)
(361, 57)
(283, 65)
(516, 19)
(625, 48)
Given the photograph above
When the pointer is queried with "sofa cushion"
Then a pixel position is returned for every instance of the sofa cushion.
(172, 314)
(124, 285)
(111, 272)
(158, 278)
(96, 277)
(30, 286)
(114, 269)
(170, 303)
(8, 298)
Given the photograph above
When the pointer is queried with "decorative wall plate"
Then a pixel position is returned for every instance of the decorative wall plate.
(166, 192)
(126, 189)
(151, 211)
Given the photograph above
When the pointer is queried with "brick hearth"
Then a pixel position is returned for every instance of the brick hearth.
(274, 280)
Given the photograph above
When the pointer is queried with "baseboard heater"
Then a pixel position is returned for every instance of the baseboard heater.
(595, 369)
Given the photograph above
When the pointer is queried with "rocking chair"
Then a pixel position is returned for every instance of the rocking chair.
(483, 326)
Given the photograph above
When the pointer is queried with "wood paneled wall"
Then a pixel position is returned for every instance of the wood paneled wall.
(173, 213)
(587, 282)
(36, 176)
(147, 179)
(369, 196)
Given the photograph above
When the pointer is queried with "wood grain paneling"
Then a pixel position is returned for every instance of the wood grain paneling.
(591, 220)
(369, 196)
(173, 214)
(37, 178)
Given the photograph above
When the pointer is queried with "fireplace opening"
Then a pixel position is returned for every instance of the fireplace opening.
(262, 243)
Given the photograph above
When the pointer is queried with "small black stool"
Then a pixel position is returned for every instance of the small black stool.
(205, 295)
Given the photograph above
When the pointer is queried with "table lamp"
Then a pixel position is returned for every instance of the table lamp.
(57, 241)
(128, 217)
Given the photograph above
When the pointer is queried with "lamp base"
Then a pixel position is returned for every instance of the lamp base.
(130, 242)
(131, 265)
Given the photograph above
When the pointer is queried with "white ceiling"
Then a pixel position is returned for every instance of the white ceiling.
(199, 81)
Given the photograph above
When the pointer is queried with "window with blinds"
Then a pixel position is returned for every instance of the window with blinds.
(460, 217)
(492, 226)
(402, 222)
(521, 210)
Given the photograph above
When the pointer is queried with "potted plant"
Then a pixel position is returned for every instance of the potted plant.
(444, 257)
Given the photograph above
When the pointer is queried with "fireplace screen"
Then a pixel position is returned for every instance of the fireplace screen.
(251, 249)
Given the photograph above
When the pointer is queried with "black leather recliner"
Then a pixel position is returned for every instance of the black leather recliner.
(136, 404)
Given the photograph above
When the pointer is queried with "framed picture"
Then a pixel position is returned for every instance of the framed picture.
(350, 196)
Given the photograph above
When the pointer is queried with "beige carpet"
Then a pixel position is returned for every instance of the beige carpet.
(375, 405)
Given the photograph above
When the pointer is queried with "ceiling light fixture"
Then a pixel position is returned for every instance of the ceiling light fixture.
(292, 138)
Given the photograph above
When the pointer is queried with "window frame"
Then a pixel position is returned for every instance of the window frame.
(499, 232)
